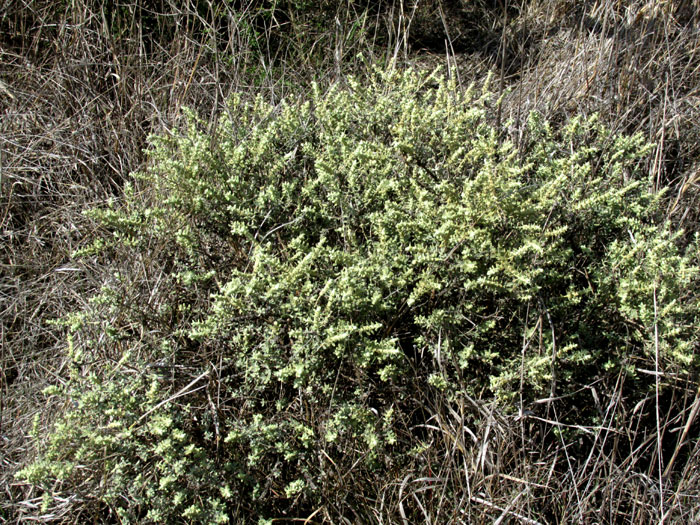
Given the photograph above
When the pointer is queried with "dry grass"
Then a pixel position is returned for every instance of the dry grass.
(81, 89)
(634, 63)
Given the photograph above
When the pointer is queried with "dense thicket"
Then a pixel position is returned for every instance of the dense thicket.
(393, 298)
(295, 287)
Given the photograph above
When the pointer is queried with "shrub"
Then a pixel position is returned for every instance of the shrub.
(288, 288)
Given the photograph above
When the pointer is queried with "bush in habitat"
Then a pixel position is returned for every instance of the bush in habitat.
(285, 291)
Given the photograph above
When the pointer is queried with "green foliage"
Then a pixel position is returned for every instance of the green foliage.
(105, 453)
(320, 260)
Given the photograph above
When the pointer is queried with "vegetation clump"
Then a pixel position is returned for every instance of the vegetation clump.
(302, 300)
